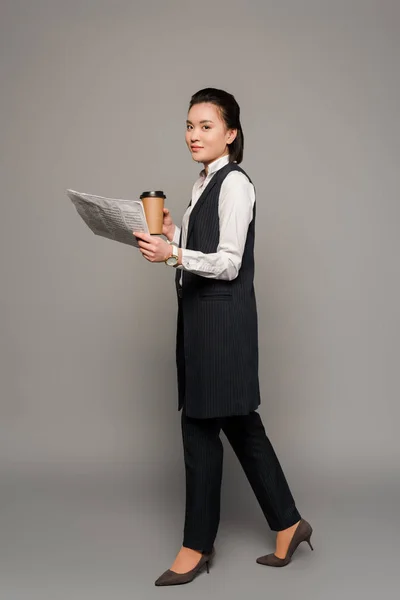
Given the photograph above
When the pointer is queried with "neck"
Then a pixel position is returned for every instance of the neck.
(205, 164)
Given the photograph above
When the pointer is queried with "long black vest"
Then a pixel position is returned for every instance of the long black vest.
(217, 338)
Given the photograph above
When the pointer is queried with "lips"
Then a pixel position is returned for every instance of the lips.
(196, 147)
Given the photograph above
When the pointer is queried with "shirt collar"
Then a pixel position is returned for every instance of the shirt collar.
(215, 165)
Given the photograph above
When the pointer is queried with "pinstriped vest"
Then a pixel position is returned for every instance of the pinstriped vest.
(217, 338)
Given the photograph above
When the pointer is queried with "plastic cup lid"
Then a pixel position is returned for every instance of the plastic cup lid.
(157, 194)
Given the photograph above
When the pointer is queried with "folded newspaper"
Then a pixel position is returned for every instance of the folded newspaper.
(113, 218)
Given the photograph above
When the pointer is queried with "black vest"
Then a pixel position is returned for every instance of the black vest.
(217, 339)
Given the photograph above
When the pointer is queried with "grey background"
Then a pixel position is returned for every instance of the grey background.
(94, 97)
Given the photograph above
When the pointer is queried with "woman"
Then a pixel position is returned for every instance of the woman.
(217, 344)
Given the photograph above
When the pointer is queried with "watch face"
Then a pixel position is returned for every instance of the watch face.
(171, 261)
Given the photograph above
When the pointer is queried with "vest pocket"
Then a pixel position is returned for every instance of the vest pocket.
(215, 296)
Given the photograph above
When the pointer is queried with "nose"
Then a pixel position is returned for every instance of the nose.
(194, 136)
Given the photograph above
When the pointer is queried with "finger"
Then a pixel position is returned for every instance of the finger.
(145, 245)
(165, 211)
(142, 235)
(147, 255)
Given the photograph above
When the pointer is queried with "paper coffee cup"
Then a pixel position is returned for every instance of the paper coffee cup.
(153, 204)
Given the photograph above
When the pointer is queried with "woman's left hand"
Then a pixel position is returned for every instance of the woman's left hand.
(153, 248)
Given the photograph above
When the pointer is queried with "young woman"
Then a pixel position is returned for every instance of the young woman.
(217, 343)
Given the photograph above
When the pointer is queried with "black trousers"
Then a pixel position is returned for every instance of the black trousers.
(203, 456)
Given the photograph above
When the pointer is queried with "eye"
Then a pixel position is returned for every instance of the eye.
(187, 127)
(207, 126)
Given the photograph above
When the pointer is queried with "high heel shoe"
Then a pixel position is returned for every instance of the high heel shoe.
(171, 578)
(302, 534)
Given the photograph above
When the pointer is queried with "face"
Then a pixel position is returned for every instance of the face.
(206, 134)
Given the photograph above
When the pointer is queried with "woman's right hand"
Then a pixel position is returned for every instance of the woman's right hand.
(168, 225)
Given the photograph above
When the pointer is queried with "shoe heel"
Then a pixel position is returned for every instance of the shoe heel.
(309, 543)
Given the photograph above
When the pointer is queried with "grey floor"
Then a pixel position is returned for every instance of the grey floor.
(84, 533)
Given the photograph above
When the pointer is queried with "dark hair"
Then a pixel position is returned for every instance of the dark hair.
(230, 112)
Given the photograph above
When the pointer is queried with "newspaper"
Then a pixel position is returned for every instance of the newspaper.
(113, 218)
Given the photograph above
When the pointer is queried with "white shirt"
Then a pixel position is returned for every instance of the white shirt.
(235, 210)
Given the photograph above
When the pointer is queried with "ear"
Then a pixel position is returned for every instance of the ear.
(231, 136)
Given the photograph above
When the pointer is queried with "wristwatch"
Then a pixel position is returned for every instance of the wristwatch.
(172, 260)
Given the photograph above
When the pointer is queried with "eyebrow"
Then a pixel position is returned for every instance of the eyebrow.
(205, 121)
